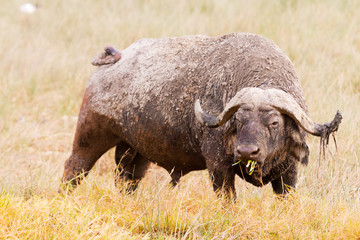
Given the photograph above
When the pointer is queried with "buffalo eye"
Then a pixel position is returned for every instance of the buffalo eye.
(274, 124)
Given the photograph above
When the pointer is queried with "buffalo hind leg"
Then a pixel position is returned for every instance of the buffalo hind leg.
(286, 182)
(175, 176)
(91, 141)
(131, 166)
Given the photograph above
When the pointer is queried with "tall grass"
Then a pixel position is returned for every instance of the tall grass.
(44, 68)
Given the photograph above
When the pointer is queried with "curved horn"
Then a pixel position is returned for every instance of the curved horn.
(276, 98)
(211, 120)
(286, 104)
(231, 107)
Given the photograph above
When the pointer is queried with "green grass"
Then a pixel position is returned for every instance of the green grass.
(44, 68)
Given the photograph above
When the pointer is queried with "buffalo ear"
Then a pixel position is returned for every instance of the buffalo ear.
(303, 152)
(298, 146)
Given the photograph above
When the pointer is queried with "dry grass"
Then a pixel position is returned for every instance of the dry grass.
(44, 68)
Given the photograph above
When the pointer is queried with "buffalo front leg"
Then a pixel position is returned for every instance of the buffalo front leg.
(92, 139)
(131, 166)
(223, 182)
(286, 182)
(218, 163)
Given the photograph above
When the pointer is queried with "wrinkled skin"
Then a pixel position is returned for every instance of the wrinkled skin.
(143, 105)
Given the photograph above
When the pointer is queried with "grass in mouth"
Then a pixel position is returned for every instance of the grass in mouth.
(250, 163)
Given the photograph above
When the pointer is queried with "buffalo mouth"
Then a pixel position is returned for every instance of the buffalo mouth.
(252, 167)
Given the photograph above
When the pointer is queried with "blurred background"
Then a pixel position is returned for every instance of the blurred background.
(46, 50)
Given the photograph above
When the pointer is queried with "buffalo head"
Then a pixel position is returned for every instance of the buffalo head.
(265, 130)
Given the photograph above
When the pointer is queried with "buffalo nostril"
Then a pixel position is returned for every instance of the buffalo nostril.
(255, 152)
(248, 151)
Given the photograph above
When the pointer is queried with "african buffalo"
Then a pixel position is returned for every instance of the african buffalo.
(147, 104)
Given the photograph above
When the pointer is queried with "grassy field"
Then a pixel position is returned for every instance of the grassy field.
(44, 68)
